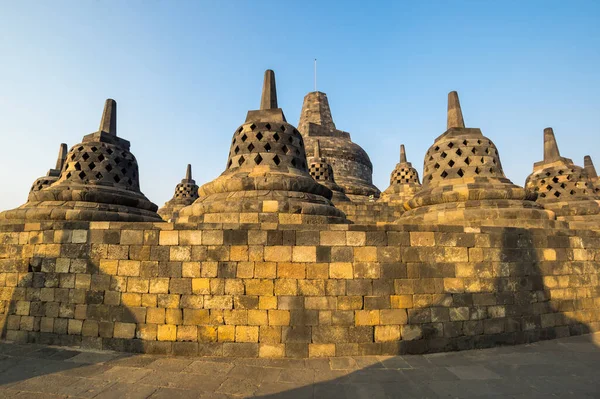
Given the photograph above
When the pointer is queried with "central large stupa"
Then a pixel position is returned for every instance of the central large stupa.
(266, 178)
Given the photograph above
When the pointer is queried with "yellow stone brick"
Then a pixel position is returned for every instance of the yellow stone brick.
(196, 316)
(270, 334)
(549, 254)
(291, 270)
(366, 317)
(286, 287)
(267, 302)
(279, 317)
(129, 268)
(332, 238)
(349, 302)
(341, 270)
(187, 333)
(180, 253)
(290, 218)
(212, 237)
(393, 316)
(278, 253)
(132, 237)
(226, 333)
(271, 350)
(401, 301)
(159, 285)
(356, 238)
(166, 332)
(365, 254)
(155, 316)
(146, 332)
(130, 299)
(138, 285)
(387, 333)
(207, 333)
(190, 237)
(201, 286)
(245, 270)
(190, 269)
(257, 317)
(304, 254)
(270, 206)
(265, 270)
(259, 287)
(422, 239)
(124, 330)
(173, 316)
(168, 237)
(321, 350)
(238, 253)
(317, 271)
(107, 266)
(246, 334)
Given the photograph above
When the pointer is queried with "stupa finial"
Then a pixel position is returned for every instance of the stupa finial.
(589, 167)
(62, 156)
(269, 91)
(108, 123)
(455, 116)
(317, 149)
(551, 152)
(188, 172)
(402, 153)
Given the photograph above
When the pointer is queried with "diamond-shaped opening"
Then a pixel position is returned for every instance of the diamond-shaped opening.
(487, 150)
(478, 141)
(109, 151)
(108, 167)
(240, 130)
(491, 170)
(473, 150)
(252, 126)
(268, 147)
(443, 155)
(77, 166)
(297, 151)
(94, 149)
(458, 152)
(229, 164)
(572, 192)
(99, 175)
(563, 185)
(555, 179)
(124, 171)
(482, 160)
(250, 147)
(548, 173)
(277, 160)
(444, 174)
(72, 157)
(543, 181)
(436, 148)
(285, 149)
(556, 194)
(461, 173)
(291, 139)
(477, 170)
(241, 161)
(549, 187)
(85, 156)
(431, 158)
(80, 148)
(282, 127)
(451, 163)
(494, 161)
(92, 165)
(258, 159)
(259, 136)
(236, 149)
(100, 157)
(294, 163)
(244, 137)
(430, 177)
(467, 160)
(465, 142)
(560, 172)
(276, 137)
(117, 160)
(68, 175)
(268, 126)
(117, 179)
(82, 174)
(543, 195)
(450, 144)
(437, 166)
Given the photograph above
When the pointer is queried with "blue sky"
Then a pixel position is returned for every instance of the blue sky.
(185, 73)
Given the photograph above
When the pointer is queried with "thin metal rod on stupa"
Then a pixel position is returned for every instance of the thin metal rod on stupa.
(269, 91)
(317, 149)
(589, 167)
(188, 172)
(315, 74)
(108, 123)
(455, 116)
(402, 153)
(62, 156)
(551, 152)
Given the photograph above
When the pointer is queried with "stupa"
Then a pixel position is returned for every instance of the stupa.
(186, 193)
(99, 181)
(266, 178)
(404, 182)
(320, 170)
(351, 164)
(563, 187)
(463, 183)
(588, 165)
(53, 174)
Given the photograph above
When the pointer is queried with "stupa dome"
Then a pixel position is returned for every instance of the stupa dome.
(186, 192)
(320, 170)
(53, 174)
(404, 181)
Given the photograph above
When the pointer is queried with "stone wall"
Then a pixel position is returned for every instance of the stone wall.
(281, 291)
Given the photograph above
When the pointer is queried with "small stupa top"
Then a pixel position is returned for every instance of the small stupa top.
(404, 181)
(318, 166)
(556, 178)
(266, 173)
(589, 168)
(98, 181)
(186, 192)
(53, 174)
(351, 164)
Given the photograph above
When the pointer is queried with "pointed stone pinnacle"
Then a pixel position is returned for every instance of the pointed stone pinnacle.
(269, 91)
(188, 172)
(108, 123)
(551, 152)
(317, 149)
(589, 167)
(455, 116)
(62, 156)
(402, 153)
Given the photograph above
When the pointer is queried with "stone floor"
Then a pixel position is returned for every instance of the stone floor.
(562, 368)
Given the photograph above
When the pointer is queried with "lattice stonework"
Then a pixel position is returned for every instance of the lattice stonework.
(321, 171)
(186, 190)
(404, 175)
(560, 183)
(267, 144)
(458, 158)
(101, 164)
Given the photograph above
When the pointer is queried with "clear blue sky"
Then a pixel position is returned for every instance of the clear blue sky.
(185, 73)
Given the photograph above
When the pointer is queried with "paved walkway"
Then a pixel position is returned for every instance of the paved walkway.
(562, 368)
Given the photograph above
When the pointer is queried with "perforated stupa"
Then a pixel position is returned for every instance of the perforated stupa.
(320, 170)
(463, 182)
(404, 182)
(562, 186)
(53, 174)
(266, 177)
(351, 164)
(588, 165)
(186, 192)
(98, 181)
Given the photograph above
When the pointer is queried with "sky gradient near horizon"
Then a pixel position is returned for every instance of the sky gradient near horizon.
(184, 74)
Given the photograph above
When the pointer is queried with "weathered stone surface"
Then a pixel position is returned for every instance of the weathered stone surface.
(186, 192)
(404, 182)
(320, 170)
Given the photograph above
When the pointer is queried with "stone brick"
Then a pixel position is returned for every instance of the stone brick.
(129, 268)
(393, 316)
(279, 317)
(304, 253)
(168, 237)
(333, 238)
(265, 270)
(190, 237)
(341, 270)
(246, 334)
(291, 270)
(166, 332)
(187, 333)
(365, 254)
(321, 350)
(387, 333)
(124, 330)
(367, 317)
(267, 350)
(278, 254)
(226, 333)
(259, 287)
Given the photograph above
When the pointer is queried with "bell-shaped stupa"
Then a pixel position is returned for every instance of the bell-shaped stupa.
(99, 181)
(404, 182)
(463, 183)
(563, 187)
(320, 170)
(351, 164)
(266, 178)
(186, 192)
(588, 165)
(53, 174)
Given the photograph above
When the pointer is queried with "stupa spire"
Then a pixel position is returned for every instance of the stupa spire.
(551, 152)
(317, 149)
(455, 116)
(269, 91)
(108, 123)
(589, 167)
(62, 156)
(188, 172)
(402, 154)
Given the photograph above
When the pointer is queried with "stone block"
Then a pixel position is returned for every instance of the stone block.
(166, 332)
(304, 254)
(387, 333)
(246, 334)
(366, 317)
(321, 350)
(168, 237)
(269, 350)
(341, 270)
(278, 254)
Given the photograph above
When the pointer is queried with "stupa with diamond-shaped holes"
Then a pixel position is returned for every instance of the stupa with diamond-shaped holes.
(404, 182)
(98, 181)
(588, 165)
(266, 178)
(53, 174)
(320, 170)
(186, 192)
(463, 183)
